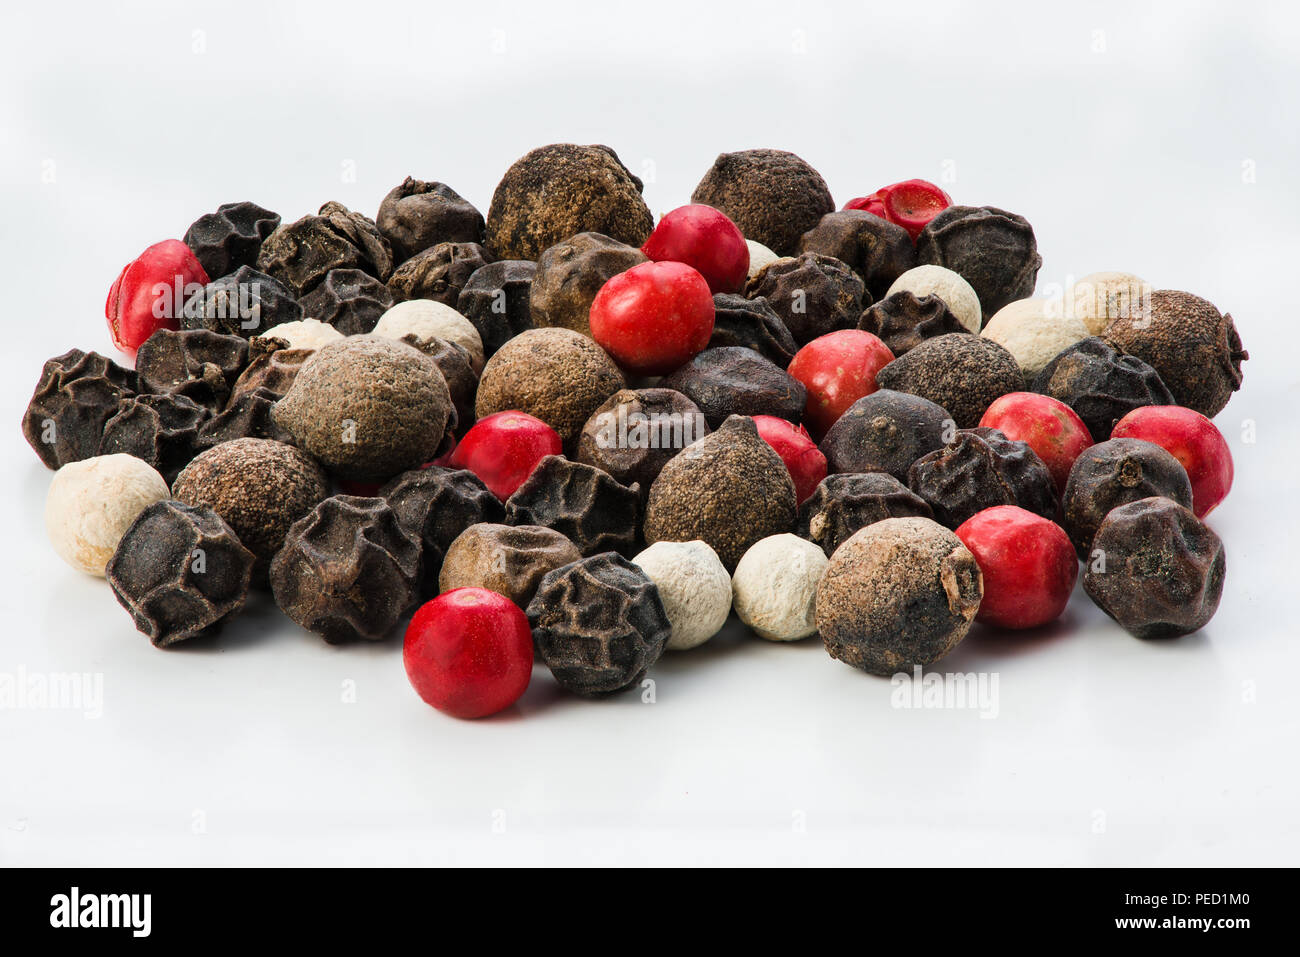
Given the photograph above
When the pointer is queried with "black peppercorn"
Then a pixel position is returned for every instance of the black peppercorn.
(272, 369)
(349, 300)
(813, 294)
(163, 430)
(78, 392)
(774, 197)
(877, 250)
(416, 215)
(842, 504)
(438, 273)
(903, 321)
(195, 363)
(886, 431)
(979, 469)
(599, 624)
(959, 371)
(735, 381)
(246, 416)
(751, 324)
(496, 299)
(570, 273)
(301, 254)
(1101, 384)
(636, 431)
(583, 503)
(993, 250)
(436, 505)
(245, 303)
(231, 237)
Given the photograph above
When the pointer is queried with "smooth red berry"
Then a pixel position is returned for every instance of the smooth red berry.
(706, 240)
(1028, 564)
(837, 369)
(654, 317)
(802, 458)
(1048, 426)
(1193, 440)
(502, 449)
(150, 292)
(469, 652)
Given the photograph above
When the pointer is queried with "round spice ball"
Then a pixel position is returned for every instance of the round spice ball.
(842, 504)
(558, 191)
(751, 324)
(1163, 572)
(993, 250)
(570, 273)
(898, 594)
(426, 319)
(736, 381)
(557, 375)
(1100, 384)
(982, 468)
(960, 372)
(903, 321)
(772, 196)
(1100, 298)
(437, 504)
(1034, 331)
(886, 431)
(258, 487)
(813, 294)
(947, 285)
(759, 256)
(305, 334)
(599, 624)
(507, 559)
(439, 273)
(774, 589)
(729, 489)
(1195, 349)
(416, 215)
(367, 407)
(876, 249)
(496, 300)
(1114, 473)
(693, 586)
(93, 502)
(230, 238)
(636, 431)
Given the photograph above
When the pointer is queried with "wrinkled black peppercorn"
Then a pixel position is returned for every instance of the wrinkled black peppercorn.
(437, 504)
(1101, 384)
(300, 254)
(736, 381)
(842, 504)
(636, 431)
(961, 372)
(247, 416)
(163, 430)
(581, 502)
(812, 294)
(272, 369)
(231, 237)
(245, 303)
(877, 250)
(903, 321)
(979, 469)
(496, 300)
(886, 431)
(570, 273)
(993, 250)
(349, 300)
(195, 363)
(416, 215)
(599, 624)
(751, 324)
(438, 273)
(78, 392)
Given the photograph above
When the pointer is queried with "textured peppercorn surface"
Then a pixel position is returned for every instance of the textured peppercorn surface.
(163, 430)
(886, 431)
(300, 254)
(876, 249)
(731, 380)
(842, 504)
(585, 504)
(992, 249)
(751, 324)
(438, 273)
(437, 504)
(231, 237)
(961, 372)
(416, 215)
(77, 393)
(349, 300)
(903, 321)
(497, 300)
(247, 416)
(981, 468)
(636, 431)
(195, 363)
(570, 273)
(899, 593)
(813, 294)
(1101, 384)
(244, 303)
(507, 559)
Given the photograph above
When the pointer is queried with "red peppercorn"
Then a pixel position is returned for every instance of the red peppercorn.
(653, 318)
(469, 652)
(502, 449)
(802, 458)
(1048, 426)
(910, 204)
(1028, 563)
(837, 369)
(706, 240)
(150, 292)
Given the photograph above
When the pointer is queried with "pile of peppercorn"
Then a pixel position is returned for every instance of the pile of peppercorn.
(565, 432)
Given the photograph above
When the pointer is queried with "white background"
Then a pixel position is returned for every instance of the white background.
(1159, 139)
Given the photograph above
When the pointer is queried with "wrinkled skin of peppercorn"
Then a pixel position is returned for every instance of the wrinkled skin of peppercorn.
(979, 469)
(77, 394)
(584, 503)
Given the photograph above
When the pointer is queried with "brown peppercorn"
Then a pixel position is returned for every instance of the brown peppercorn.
(751, 324)
(438, 273)
(961, 372)
(898, 594)
(1114, 473)
(1158, 569)
(195, 363)
(1196, 350)
(876, 249)
(436, 505)
(496, 299)
(77, 393)
(993, 250)
(903, 321)
(273, 369)
(230, 238)
(259, 487)
(300, 254)
(416, 215)
(570, 273)
(1101, 384)
(599, 624)
(842, 504)
(735, 381)
(507, 559)
(163, 430)
(979, 469)
(636, 431)
(886, 431)
(774, 197)
(581, 502)
(728, 489)
(349, 300)
(813, 294)
(558, 191)
(557, 375)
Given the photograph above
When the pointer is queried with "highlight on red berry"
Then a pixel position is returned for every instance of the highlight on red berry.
(804, 461)
(705, 239)
(654, 317)
(1028, 563)
(1193, 440)
(837, 369)
(502, 449)
(1048, 426)
(910, 204)
(150, 292)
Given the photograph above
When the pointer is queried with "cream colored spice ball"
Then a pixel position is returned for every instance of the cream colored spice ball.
(774, 590)
(1102, 297)
(1035, 331)
(759, 256)
(93, 502)
(694, 587)
(955, 291)
(428, 319)
(305, 333)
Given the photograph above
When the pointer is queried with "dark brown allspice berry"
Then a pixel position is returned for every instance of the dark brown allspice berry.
(1101, 384)
(416, 215)
(751, 324)
(903, 321)
(231, 237)
(77, 393)
(982, 468)
(1159, 569)
(570, 273)
(813, 294)
(774, 197)
(1114, 473)
(599, 624)
(496, 299)
(1194, 348)
(876, 249)
(180, 571)
(437, 504)
(842, 504)
(886, 431)
(438, 273)
(959, 371)
(507, 559)
(348, 571)
(246, 416)
(583, 503)
(736, 381)
(163, 430)
(636, 431)
(301, 254)
(196, 363)
(349, 300)
(993, 250)
(244, 303)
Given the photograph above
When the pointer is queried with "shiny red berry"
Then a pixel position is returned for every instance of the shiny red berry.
(502, 449)
(150, 292)
(654, 317)
(706, 240)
